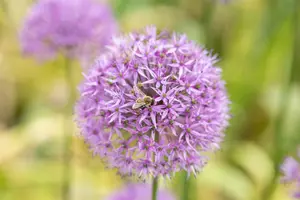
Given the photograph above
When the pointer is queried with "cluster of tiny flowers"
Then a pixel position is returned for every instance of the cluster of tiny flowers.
(138, 192)
(291, 170)
(153, 104)
(71, 27)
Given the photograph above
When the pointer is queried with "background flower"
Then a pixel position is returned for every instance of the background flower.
(153, 104)
(74, 28)
(138, 192)
(291, 174)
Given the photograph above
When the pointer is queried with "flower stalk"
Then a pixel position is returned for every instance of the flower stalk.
(185, 181)
(67, 140)
(154, 188)
(155, 179)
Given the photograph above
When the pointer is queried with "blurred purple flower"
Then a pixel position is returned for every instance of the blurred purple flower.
(72, 27)
(291, 174)
(290, 168)
(138, 192)
(153, 104)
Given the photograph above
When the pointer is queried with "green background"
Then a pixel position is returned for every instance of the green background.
(258, 45)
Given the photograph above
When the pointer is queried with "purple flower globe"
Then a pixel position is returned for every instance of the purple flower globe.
(154, 104)
(72, 27)
(138, 192)
(291, 174)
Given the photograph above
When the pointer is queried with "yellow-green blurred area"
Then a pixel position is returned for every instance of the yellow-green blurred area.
(255, 40)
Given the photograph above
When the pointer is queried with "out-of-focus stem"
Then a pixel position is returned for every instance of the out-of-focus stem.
(154, 188)
(3, 8)
(206, 21)
(155, 179)
(3, 5)
(279, 151)
(68, 129)
(186, 184)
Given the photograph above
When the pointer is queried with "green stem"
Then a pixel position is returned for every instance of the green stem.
(280, 151)
(68, 129)
(3, 5)
(154, 188)
(155, 179)
(206, 21)
(185, 193)
(3, 8)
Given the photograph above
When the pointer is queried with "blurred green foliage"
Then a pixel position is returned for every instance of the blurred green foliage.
(256, 45)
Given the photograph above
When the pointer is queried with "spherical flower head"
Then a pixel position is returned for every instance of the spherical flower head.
(154, 104)
(291, 174)
(138, 192)
(72, 27)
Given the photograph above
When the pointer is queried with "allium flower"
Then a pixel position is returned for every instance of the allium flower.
(71, 27)
(138, 192)
(153, 104)
(291, 170)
